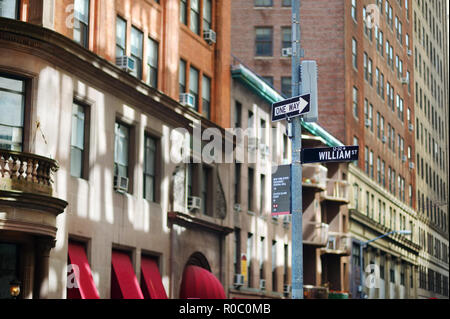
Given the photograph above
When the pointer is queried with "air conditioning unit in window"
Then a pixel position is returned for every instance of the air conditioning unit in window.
(126, 63)
(410, 126)
(383, 139)
(187, 99)
(409, 52)
(121, 184)
(237, 207)
(286, 52)
(238, 280)
(209, 36)
(262, 284)
(411, 165)
(404, 80)
(194, 202)
(367, 123)
(286, 289)
(404, 158)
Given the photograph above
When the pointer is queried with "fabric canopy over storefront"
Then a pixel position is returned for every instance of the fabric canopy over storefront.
(85, 286)
(124, 284)
(151, 283)
(199, 283)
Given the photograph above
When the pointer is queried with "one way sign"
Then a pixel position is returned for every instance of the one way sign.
(291, 107)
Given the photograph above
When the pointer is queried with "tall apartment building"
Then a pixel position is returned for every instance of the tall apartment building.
(430, 27)
(365, 51)
(89, 99)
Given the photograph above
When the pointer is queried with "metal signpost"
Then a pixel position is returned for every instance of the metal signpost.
(296, 167)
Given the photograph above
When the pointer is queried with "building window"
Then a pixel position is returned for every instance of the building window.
(193, 85)
(152, 62)
(207, 14)
(263, 41)
(237, 183)
(286, 39)
(195, 16)
(78, 149)
(355, 102)
(182, 77)
(12, 106)
(251, 176)
(81, 22)
(121, 37)
(262, 257)
(237, 251)
(150, 163)
(262, 194)
(274, 266)
(263, 3)
(183, 12)
(136, 51)
(286, 3)
(286, 87)
(206, 190)
(354, 10)
(121, 149)
(206, 97)
(9, 9)
(268, 80)
(355, 53)
(249, 259)
(9, 267)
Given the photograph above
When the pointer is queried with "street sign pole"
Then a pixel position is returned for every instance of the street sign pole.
(296, 167)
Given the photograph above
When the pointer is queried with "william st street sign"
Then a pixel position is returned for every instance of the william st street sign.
(291, 107)
(330, 154)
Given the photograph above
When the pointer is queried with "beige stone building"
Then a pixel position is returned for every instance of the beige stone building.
(431, 101)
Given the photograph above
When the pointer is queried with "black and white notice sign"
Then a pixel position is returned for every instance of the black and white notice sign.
(281, 190)
(330, 154)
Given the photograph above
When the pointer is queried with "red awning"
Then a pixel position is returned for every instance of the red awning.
(200, 283)
(124, 284)
(151, 283)
(86, 286)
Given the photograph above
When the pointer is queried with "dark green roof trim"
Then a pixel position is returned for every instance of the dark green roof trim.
(262, 89)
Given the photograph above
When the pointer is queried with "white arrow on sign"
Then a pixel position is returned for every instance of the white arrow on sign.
(290, 108)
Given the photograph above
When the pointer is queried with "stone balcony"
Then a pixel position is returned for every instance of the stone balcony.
(27, 201)
(315, 233)
(337, 191)
(338, 244)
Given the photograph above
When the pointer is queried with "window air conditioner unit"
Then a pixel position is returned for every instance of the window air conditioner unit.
(286, 220)
(238, 280)
(383, 139)
(411, 165)
(121, 184)
(194, 202)
(126, 63)
(404, 158)
(209, 36)
(286, 52)
(409, 52)
(237, 207)
(331, 243)
(187, 99)
(404, 80)
(410, 126)
(367, 123)
(286, 289)
(262, 284)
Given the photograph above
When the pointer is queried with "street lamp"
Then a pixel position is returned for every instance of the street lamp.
(361, 260)
(14, 288)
